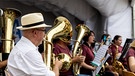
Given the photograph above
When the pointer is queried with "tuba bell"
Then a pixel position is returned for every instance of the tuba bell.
(6, 28)
(81, 29)
(61, 29)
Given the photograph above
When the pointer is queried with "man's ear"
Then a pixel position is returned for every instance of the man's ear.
(34, 32)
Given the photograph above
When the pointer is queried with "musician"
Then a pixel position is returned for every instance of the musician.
(24, 59)
(105, 39)
(131, 57)
(109, 70)
(115, 48)
(88, 52)
(61, 45)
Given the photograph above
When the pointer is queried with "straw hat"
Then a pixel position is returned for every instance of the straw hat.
(31, 21)
(132, 44)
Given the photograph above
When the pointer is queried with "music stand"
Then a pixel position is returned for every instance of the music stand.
(125, 48)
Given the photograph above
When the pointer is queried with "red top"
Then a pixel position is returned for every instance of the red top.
(57, 50)
(131, 52)
(89, 54)
(112, 48)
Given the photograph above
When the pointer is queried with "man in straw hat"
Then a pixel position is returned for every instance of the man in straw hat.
(131, 57)
(25, 59)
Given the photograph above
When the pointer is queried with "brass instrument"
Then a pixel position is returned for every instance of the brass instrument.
(6, 28)
(61, 29)
(81, 29)
(7, 17)
(118, 66)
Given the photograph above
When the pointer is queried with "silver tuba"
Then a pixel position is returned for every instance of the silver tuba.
(6, 29)
(81, 29)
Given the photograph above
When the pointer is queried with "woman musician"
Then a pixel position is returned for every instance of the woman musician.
(131, 57)
(88, 52)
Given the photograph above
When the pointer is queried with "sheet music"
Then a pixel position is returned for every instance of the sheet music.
(99, 67)
(100, 55)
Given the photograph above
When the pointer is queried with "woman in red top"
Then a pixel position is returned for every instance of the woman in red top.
(131, 57)
(88, 53)
(115, 48)
(61, 43)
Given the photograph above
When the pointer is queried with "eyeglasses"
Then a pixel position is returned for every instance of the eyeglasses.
(44, 30)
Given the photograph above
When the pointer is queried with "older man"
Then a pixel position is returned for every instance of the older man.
(24, 59)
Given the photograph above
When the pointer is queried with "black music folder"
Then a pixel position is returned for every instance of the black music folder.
(125, 48)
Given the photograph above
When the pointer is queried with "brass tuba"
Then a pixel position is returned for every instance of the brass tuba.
(118, 66)
(61, 29)
(6, 29)
(81, 29)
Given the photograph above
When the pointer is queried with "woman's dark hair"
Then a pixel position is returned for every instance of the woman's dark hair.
(55, 40)
(104, 37)
(116, 38)
(86, 37)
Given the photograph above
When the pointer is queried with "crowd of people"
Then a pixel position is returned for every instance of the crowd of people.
(26, 59)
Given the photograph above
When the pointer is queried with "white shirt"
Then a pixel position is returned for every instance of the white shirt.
(25, 60)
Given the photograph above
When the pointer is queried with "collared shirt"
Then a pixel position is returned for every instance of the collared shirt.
(25, 60)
